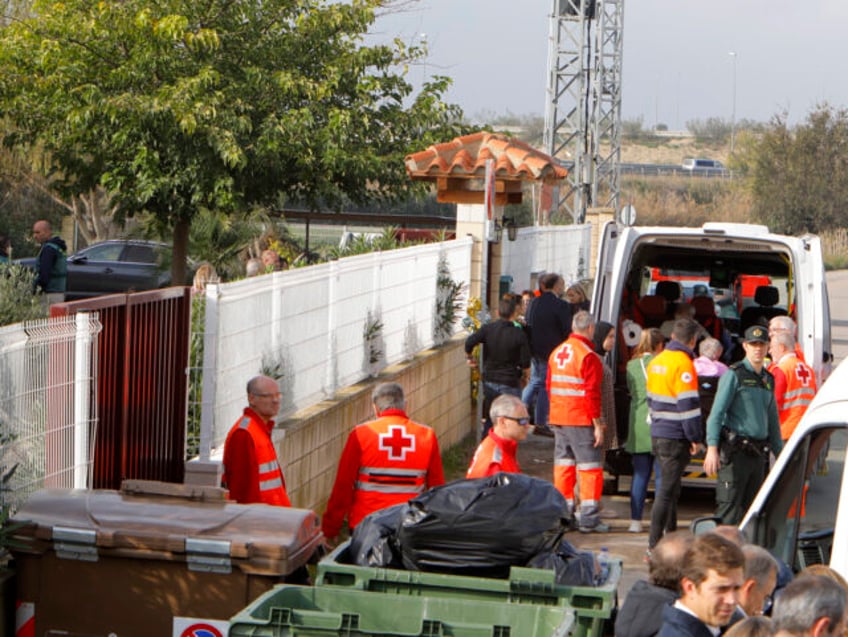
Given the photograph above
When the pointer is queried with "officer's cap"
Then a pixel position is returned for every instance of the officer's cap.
(756, 334)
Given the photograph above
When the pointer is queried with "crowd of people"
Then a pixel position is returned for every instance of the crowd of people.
(718, 584)
(546, 368)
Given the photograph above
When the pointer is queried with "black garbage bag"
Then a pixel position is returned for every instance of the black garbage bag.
(481, 527)
(374, 540)
(571, 567)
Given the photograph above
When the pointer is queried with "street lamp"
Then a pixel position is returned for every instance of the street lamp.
(733, 111)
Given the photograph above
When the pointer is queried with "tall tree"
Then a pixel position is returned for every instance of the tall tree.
(799, 175)
(179, 105)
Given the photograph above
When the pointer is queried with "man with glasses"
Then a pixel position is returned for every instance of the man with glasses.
(785, 325)
(252, 472)
(385, 461)
(497, 451)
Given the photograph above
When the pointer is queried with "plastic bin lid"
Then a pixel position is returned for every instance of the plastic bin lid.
(258, 538)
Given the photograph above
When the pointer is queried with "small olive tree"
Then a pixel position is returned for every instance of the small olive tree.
(18, 302)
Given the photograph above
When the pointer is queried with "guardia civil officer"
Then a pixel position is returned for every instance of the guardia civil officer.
(742, 429)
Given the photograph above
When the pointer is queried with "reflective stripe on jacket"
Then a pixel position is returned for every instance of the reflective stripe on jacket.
(385, 462)
(269, 479)
(673, 401)
(795, 387)
(575, 373)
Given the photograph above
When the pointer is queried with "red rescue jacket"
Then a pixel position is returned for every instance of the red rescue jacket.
(575, 373)
(494, 454)
(385, 462)
(252, 472)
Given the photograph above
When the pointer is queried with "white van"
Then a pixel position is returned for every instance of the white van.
(803, 503)
(734, 275)
(696, 164)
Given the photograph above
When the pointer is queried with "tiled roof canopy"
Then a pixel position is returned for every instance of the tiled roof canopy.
(459, 167)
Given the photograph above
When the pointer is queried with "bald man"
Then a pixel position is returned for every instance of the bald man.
(51, 265)
(252, 472)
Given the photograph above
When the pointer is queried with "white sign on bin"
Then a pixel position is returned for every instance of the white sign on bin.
(194, 627)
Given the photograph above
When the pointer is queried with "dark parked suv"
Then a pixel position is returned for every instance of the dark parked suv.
(114, 266)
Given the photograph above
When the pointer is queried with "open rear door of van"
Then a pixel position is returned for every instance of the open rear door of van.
(609, 278)
(813, 317)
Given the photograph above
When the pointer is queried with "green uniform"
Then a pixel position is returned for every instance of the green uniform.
(639, 429)
(744, 405)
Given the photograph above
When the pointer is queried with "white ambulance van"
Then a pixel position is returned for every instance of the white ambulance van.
(734, 275)
(801, 510)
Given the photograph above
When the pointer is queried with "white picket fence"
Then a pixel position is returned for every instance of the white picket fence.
(47, 404)
(307, 327)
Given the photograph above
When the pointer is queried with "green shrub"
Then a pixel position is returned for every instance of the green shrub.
(18, 302)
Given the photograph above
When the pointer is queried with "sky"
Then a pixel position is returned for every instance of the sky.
(677, 67)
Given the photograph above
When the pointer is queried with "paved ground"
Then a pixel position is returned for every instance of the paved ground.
(535, 456)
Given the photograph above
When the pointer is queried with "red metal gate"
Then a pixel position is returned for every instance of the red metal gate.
(141, 384)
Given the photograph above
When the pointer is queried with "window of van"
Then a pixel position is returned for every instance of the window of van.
(797, 521)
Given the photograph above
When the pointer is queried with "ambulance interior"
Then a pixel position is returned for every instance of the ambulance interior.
(729, 291)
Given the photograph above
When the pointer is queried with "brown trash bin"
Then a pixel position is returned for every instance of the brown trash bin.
(126, 563)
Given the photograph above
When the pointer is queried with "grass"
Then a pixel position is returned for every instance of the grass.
(455, 459)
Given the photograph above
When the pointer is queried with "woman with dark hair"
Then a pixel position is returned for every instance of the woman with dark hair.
(604, 341)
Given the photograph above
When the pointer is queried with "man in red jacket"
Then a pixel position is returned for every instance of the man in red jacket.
(252, 472)
(497, 450)
(385, 462)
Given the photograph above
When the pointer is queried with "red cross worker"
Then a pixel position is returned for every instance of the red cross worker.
(794, 382)
(385, 461)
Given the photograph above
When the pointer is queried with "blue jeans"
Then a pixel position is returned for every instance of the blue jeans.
(642, 465)
(490, 392)
(536, 389)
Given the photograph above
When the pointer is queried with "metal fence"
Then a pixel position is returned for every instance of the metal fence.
(141, 386)
(317, 329)
(48, 409)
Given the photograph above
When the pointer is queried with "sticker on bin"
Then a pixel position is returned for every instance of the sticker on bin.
(193, 627)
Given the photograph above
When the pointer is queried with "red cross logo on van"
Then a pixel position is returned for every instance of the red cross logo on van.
(397, 442)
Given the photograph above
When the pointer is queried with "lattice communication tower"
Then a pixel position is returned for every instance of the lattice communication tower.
(583, 102)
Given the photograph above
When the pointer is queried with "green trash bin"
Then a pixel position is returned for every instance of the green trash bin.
(592, 606)
(303, 611)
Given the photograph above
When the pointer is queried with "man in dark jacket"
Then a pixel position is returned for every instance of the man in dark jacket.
(713, 573)
(548, 324)
(641, 613)
(51, 266)
(506, 355)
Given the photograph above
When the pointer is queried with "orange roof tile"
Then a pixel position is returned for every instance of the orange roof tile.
(465, 157)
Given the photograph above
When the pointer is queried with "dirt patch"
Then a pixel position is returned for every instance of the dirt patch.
(670, 151)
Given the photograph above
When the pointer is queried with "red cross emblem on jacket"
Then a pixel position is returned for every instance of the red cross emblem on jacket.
(803, 374)
(397, 442)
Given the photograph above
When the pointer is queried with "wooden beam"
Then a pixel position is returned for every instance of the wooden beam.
(460, 196)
